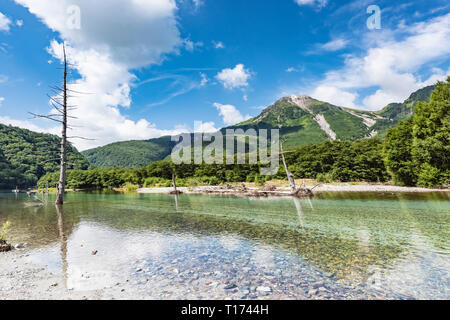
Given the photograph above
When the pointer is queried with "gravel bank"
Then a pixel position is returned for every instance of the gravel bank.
(21, 280)
(280, 191)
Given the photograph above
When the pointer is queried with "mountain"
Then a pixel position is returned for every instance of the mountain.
(396, 112)
(25, 156)
(302, 120)
(130, 154)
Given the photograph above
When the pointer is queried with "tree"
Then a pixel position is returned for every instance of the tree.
(398, 154)
(60, 104)
(431, 137)
(417, 151)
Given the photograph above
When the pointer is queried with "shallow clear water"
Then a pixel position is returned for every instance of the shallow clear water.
(343, 246)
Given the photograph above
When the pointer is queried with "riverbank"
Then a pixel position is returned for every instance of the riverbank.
(276, 188)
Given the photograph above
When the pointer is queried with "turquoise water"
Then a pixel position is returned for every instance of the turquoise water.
(334, 246)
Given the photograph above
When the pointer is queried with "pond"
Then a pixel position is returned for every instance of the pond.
(333, 246)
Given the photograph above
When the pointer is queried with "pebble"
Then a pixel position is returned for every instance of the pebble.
(264, 289)
(230, 286)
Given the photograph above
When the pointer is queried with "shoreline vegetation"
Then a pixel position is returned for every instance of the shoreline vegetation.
(273, 188)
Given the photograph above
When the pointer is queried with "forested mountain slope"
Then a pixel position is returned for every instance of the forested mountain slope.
(25, 156)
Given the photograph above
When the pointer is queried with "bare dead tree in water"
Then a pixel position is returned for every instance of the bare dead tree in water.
(289, 174)
(60, 104)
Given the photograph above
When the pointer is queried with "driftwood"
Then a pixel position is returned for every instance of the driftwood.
(4, 246)
(303, 192)
(269, 188)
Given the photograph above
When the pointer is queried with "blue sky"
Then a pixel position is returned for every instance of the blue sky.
(156, 66)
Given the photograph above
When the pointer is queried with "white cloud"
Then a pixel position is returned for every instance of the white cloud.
(218, 45)
(334, 95)
(5, 22)
(198, 3)
(190, 45)
(234, 78)
(335, 45)
(28, 125)
(390, 66)
(206, 127)
(318, 3)
(19, 23)
(1, 100)
(204, 80)
(230, 114)
(116, 36)
(291, 69)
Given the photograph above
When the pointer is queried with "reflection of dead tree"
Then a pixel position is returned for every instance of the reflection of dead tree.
(60, 104)
(298, 206)
(63, 239)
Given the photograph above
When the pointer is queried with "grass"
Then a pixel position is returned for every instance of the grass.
(5, 230)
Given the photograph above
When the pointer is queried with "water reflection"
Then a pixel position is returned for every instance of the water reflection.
(298, 206)
(63, 240)
(397, 244)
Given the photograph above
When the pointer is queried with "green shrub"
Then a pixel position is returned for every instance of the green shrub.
(130, 188)
(155, 182)
(429, 176)
(5, 230)
(325, 177)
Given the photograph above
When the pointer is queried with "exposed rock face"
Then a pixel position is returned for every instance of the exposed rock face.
(301, 101)
(304, 103)
(368, 121)
(325, 126)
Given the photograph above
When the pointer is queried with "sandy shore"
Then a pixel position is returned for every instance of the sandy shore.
(21, 280)
(285, 191)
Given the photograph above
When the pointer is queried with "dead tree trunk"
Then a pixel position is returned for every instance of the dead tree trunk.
(63, 161)
(174, 182)
(61, 108)
(289, 174)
